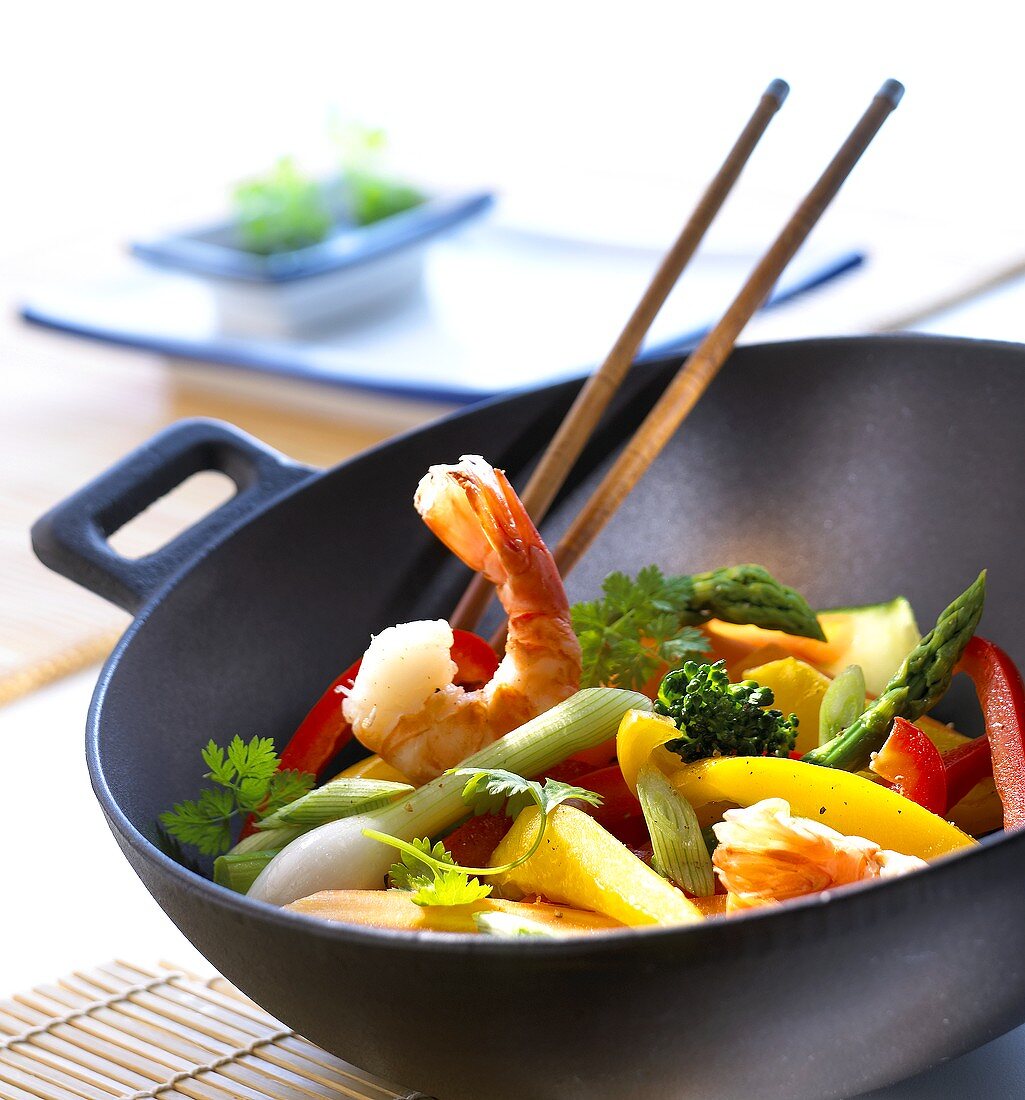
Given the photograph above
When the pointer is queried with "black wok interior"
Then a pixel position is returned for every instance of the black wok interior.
(854, 469)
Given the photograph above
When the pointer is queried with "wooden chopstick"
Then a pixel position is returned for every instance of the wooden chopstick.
(578, 424)
(706, 360)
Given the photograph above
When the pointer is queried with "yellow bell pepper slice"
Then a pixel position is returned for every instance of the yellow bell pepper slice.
(582, 865)
(372, 767)
(640, 737)
(844, 801)
(798, 689)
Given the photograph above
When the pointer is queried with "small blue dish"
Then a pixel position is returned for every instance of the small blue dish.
(352, 270)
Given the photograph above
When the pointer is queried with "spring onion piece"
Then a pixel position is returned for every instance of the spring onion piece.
(340, 798)
(275, 839)
(238, 871)
(510, 926)
(679, 852)
(337, 856)
(843, 701)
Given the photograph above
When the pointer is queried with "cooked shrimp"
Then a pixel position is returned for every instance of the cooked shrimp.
(403, 704)
(766, 856)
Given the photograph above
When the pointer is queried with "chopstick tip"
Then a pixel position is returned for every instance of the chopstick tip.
(891, 90)
(778, 90)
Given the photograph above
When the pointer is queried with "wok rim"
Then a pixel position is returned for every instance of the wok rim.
(570, 947)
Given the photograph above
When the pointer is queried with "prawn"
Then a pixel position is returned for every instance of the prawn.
(765, 856)
(403, 704)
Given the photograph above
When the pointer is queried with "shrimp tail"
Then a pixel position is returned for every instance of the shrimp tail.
(474, 510)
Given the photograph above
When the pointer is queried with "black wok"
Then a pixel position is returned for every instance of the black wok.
(855, 469)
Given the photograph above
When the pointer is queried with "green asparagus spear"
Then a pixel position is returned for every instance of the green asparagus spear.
(750, 594)
(915, 688)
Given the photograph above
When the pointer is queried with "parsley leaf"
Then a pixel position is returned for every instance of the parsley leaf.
(450, 888)
(492, 791)
(248, 782)
(411, 870)
(431, 884)
(636, 628)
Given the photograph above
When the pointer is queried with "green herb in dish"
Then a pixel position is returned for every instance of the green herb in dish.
(639, 626)
(247, 782)
(281, 211)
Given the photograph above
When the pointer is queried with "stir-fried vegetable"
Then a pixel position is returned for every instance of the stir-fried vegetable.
(509, 926)
(912, 765)
(842, 703)
(339, 856)
(391, 909)
(717, 718)
(915, 688)
(998, 684)
(583, 865)
(432, 873)
(849, 803)
(641, 626)
(679, 852)
(339, 798)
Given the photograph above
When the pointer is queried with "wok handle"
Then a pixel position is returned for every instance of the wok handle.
(72, 537)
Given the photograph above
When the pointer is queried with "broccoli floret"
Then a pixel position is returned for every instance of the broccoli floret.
(717, 718)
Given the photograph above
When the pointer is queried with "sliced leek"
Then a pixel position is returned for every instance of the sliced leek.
(679, 852)
(238, 871)
(340, 798)
(843, 701)
(510, 926)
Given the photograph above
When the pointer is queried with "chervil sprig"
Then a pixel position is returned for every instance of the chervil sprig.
(436, 879)
(248, 782)
(489, 792)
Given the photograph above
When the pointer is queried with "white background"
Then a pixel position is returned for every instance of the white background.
(117, 113)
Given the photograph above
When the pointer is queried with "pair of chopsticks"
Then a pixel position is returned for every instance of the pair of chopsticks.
(703, 364)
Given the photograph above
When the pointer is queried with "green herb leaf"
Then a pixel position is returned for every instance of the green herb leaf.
(248, 782)
(438, 882)
(497, 790)
(640, 626)
(411, 870)
(636, 628)
(450, 888)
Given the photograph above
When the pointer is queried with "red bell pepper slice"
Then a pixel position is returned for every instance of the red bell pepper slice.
(324, 732)
(966, 766)
(620, 812)
(913, 765)
(475, 841)
(998, 684)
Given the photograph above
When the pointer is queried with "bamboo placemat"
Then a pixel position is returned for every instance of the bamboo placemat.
(124, 1031)
(69, 410)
